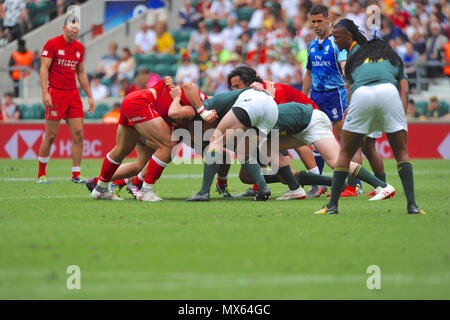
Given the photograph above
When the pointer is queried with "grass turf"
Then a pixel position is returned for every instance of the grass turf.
(223, 249)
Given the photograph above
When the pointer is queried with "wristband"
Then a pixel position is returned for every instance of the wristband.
(202, 112)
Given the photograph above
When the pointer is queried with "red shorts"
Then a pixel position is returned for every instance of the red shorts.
(133, 111)
(66, 104)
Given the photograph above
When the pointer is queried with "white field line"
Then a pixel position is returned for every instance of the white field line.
(198, 176)
(152, 281)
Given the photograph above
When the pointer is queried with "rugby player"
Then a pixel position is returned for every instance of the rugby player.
(377, 79)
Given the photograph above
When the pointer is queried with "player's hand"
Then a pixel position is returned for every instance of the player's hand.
(169, 82)
(257, 86)
(175, 92)
(270, 88)
(91, 105)
(210, 118)
(47, 100)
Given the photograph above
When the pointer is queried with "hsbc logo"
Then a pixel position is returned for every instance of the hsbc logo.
(24, 144)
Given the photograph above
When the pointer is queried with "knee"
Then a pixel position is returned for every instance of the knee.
(50, 137)
(77, 135)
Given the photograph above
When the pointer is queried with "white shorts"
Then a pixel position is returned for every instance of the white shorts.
(318, 128)
(375, 135)
(260, 107)
(375, 108)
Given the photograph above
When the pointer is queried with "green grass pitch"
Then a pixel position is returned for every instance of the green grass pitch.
(222, 249)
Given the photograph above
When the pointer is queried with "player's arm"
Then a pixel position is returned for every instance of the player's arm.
(307, 82)
(404, 89)
(176, 110)
(84, 83)
(45, 66)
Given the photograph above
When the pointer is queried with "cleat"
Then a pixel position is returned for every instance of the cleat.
(316, 191)
(103, 194)
(43, 180)
(198, 198)
(326, 210)
(133, 190)
(249, 193)
(90, 185)
(414, 209)
(383, 193)
(225, 191)
(147, 195)
(349, 192)
(115, 189)
(79, 179)
(263, 195)
(371, 194)
(294, 194)
(359, 188)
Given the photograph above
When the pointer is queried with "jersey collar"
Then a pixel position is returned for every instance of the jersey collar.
(353, 44)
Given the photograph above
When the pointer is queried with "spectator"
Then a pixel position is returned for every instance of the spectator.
(256, 21)
(188, 17)
(10, 111)
(410, 57)
(433, 108)
(188, 71)
(125, 88)
(418, 43)
(411, 111)
(400, 17)
(113, 116)
(232, 32)
(14, 15)
(141, 81)
(198, 36)
(335, 14)
(202, 57)
(203, 7)
(107, 67)
(220, 9)
(233, 62)
(260, 50)
(290, 8)
(145, 39)
(22, 58)
(164, 40)
(434, 44)
(152, 78)
(358, 14)
(216, 36)
(99, 90)
(414, 27)
(125, 69)
(389, 31)
(215, 81)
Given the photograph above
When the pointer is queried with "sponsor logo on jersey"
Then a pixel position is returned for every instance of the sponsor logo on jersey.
(137, 119)
(78, 54)
(61, 52)
(67, 63)
(45, 52)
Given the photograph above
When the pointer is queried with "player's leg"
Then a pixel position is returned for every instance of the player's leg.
(309, 160)
(126, 138)
(76, 131)
(375, 161)
(158, 133)
(51, 132)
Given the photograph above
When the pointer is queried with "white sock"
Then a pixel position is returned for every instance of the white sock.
(103, 184)
(44, 159)
(147, 186)
(140, 177)
(314, 170)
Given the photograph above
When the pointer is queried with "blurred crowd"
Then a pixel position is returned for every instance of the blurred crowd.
(18, 17)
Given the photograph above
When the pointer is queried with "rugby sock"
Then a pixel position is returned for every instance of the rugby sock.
(42, 166)
(270, 178)
(109, 167)
(222, 181)
(286, 173)
(209, 171)
(147, 187)
(254, 170)
(96, 180)
(339, 176)
(155, 169)
(315, 170)
(319, 161)
(121, 182)
(405, 172)
(381, 176)
(352, 182)
(76, 172)
(363, 174)
(138, 180)
(308, 178)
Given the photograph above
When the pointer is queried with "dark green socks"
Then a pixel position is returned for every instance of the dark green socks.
(209, 171)
(339, 176)
(406, 175)
(308, 178)
(286, 173)
(364, 175)
(254, 170)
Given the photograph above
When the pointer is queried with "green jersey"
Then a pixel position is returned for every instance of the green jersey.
(377, 72)
(293, 117)
(353, 50)
(223, 102)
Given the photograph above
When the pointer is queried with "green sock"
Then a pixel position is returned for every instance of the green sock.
(271, 178)
(286, 173)
(406, 175)
(210, 169)
(352, 181)
(381, 176)
(339, 176)
(254, 170)
(308, 178)
(364, 175)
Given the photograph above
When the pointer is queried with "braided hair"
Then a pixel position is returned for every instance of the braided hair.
(349, 26)
(372, 50)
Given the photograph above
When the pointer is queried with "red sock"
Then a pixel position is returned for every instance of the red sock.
(137, 181)
(96, 180)
(108, 169)
(76, 172)
(154, 170)
(121, 182)
(42, 166)
(255, 187)
(222, 182)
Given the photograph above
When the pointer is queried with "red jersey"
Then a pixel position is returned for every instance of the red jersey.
(65, 58)
(285, 94)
